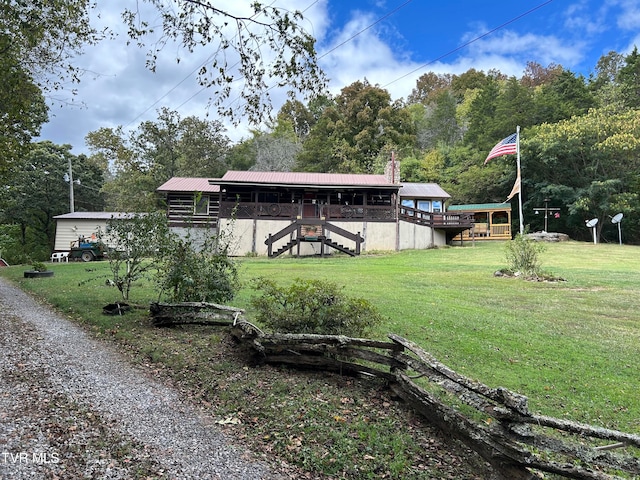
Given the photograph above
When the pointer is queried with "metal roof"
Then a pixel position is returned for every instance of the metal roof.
(422, 190)
(92, 215)
(318, 180)
(474, 207)
(188, 184)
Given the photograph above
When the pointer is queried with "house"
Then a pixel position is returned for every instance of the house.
(492, 221)
(270, 213)
(89, 225)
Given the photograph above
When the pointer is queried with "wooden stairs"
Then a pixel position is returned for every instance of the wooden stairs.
(300, 232)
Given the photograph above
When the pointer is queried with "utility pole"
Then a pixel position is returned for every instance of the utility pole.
(68, 177)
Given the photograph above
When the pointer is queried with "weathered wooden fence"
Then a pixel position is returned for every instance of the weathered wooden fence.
(500, 428)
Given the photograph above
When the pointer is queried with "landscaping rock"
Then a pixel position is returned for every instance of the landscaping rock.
(548, 236)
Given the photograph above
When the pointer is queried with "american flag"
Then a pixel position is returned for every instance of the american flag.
(508, 146)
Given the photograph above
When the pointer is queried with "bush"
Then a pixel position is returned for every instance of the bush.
(195, 266)
(198, 270)
(313, 306)
(522, 255)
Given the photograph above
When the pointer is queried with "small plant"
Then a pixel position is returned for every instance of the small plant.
(38, 267)
(522, 256)
(136, 241)
(313, 306)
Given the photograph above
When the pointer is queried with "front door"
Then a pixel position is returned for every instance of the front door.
(310, 206)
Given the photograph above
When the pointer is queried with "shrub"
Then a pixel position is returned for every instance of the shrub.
(38, 267)
(522, 255)
(312, 306)
(198, 270)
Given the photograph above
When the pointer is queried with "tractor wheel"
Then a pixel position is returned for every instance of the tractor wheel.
(87, 256)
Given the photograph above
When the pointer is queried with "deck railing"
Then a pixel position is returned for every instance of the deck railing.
(292, 211)
(436, 220)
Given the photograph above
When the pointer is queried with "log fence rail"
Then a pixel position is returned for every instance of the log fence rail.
(511, 438)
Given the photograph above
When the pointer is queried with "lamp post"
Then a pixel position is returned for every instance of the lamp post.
(546, 210)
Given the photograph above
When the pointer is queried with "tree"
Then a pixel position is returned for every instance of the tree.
(567, 95)
(22, 111)
(482, 112)
(350, 135)
(592, 160)
(428, 86)
(536, 75)
(440, 125)
(43, 37)
(139, 162)
(239, 39)
(36, 192)
(629, 79)
(135, 241)
(298, 116)
(604, 85)
(276, 151)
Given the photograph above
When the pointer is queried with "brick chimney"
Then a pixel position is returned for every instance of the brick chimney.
(392, 169)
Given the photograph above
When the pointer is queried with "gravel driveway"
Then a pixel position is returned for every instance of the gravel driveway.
(72, 408)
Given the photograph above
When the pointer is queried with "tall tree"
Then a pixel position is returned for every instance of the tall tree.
(36, 191)
(37, 41)
(604, 85)
(565, 96)
(428, 86)
(482, 112)
(629, 79)
(139, 162)
(536, 75)
(349, 137)
(440, 125)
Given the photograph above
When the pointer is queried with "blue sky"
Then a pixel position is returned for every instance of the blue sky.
(391, 43)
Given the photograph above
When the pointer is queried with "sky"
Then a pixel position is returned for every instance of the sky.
(390, 43)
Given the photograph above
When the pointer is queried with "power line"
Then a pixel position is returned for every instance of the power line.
(368, 27)
(460, 47)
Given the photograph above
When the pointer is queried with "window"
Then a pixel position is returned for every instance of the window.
(424, 205)
(201, 205)
(437, 206)
(408, 203)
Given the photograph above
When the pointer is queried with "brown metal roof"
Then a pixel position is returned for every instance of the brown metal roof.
(422, 190)
(188, 184)
(304, 179)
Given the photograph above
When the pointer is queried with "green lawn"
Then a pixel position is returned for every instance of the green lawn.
(571, 346)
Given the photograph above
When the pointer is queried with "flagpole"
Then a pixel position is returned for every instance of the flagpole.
(520, 177)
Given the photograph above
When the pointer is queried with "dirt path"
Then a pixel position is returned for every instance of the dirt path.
(72, 408)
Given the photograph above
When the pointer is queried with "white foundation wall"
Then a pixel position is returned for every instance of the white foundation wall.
(420, 237)
(249, 236)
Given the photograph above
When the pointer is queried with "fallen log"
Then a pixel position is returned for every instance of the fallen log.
(201, 313)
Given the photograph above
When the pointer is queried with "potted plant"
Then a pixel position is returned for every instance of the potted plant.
(38, 270)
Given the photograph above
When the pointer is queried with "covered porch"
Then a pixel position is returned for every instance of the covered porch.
(491, 221)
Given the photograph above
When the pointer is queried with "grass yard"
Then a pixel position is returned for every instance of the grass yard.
(571, 346)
